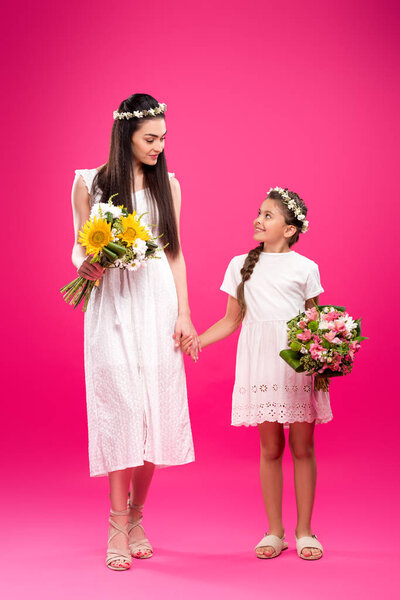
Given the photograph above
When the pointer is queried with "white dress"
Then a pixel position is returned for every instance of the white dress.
(135, 379)
(266, 387)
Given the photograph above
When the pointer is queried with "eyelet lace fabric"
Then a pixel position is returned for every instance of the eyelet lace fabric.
(135, 380)
(266, 388)
(281, 403)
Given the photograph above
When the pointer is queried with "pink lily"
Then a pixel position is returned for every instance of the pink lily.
(304, 336)
(312, 314)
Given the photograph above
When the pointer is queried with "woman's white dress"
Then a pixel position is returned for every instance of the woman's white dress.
(135, 380)
(266, 387)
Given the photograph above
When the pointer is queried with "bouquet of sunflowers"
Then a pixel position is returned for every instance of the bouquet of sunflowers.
(115, 239)
(323, 341)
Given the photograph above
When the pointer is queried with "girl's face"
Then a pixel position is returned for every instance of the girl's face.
(270, 226)
(148, 141)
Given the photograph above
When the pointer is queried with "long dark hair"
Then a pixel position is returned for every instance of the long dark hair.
(253, 256)
(116, 176)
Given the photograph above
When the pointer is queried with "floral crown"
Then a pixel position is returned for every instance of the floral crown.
(292, 205)
(139, 114)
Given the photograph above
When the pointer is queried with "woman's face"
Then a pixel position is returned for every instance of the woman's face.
(148, 141)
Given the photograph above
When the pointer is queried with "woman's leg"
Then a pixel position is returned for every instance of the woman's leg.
(272, 445)
(119, 486)
(301, 442)
(141, 479)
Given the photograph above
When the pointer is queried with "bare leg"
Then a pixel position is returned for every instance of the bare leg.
(301, 442)
(272, 445)
(119, 486)
(141, 479)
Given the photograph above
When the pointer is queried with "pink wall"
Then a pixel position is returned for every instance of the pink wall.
(297, 94)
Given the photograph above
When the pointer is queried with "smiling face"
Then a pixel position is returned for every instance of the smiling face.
(270, 227)
(148, 141)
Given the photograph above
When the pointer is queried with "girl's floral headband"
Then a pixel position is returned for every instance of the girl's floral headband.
(292, 205)
(139, 114)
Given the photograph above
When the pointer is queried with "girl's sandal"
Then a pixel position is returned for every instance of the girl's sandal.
(309, 541)
(117, 555)
(275, 542)
(141, 548)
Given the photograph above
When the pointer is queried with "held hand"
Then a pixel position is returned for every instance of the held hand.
(184, 329)
(187, 347)
(91, 271)
(195, 353)
(186, 344)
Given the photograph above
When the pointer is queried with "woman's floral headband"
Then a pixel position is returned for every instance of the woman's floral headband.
(292, 205)
(139, 114)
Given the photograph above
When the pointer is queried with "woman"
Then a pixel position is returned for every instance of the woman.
(135, 381)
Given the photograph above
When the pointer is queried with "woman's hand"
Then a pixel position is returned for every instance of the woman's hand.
(91, 271)
(183, 329)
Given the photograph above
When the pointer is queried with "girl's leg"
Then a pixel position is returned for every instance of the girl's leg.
(141, 479)
(272, 445)
(301, 442)
(119, 487)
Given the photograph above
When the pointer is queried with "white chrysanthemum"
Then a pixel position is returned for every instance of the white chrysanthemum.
(100, 209)
(139, 247)
(350, 323)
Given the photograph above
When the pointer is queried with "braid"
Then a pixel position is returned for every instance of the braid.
(246, 272)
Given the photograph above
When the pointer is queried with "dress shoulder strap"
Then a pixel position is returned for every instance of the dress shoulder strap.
(171, 175)
(88, 176)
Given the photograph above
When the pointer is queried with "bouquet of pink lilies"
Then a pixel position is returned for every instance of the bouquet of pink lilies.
(323, 341)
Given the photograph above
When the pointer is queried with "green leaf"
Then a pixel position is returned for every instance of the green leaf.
(111, 255)
(116, 248)
(293, 359)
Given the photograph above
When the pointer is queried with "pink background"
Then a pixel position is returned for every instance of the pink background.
(297, 94)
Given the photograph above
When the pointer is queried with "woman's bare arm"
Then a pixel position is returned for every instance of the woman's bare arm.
(81, 213)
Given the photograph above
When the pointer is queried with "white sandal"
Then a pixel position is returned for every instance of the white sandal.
(138, 548)
(309, 541)
(116, 554)
(275, 542)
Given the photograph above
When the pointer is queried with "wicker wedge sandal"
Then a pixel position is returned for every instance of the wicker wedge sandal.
(141, 548)
(117, 555)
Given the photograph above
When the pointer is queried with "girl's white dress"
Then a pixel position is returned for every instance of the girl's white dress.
(266, 388)
(135, 379)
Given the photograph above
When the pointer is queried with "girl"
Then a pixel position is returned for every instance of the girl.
(266, 288)
(135, 380)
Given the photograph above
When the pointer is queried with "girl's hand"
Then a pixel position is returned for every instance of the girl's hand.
(91, 271)
(186, 344)
(184, 328)
(187, 347)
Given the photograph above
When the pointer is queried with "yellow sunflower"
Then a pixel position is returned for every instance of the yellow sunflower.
(132, 230)
(95, 235)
